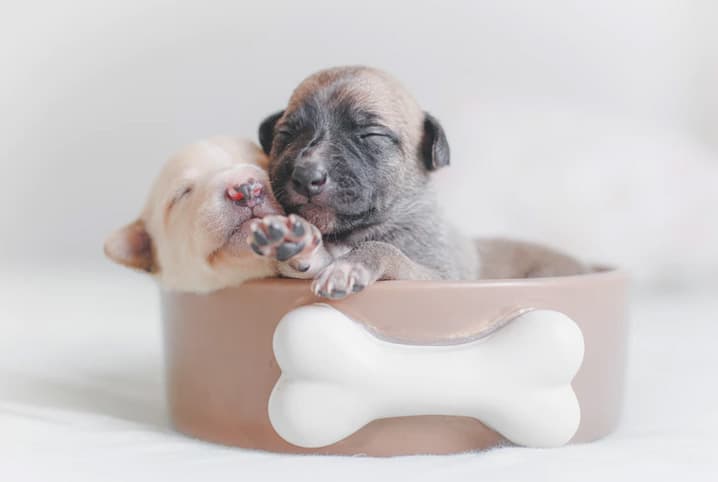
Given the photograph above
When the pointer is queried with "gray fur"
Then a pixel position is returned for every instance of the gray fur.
(378, 148)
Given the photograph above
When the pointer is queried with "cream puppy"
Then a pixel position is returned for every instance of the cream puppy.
(192, 233)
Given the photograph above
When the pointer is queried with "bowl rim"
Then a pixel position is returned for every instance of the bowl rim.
(599, 272)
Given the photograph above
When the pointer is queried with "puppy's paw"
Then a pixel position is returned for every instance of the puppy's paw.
(285, 238)
(340, 279)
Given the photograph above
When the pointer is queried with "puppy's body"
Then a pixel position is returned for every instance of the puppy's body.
(352, 153)
(192, 233)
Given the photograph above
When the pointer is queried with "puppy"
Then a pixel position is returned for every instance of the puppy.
(352, 153)
(192, 233)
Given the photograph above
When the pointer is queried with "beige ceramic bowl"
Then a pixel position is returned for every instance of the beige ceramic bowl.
(221, 368)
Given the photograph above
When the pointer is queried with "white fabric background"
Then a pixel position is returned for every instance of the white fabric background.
(592, 126)
(81, 400)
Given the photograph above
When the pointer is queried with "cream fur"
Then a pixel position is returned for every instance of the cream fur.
(199, 244)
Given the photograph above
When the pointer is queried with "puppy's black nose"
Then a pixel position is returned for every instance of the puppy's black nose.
(310, 179)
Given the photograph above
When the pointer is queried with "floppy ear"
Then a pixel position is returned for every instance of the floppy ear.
(434, 146)
(266, 131)
(131, 246)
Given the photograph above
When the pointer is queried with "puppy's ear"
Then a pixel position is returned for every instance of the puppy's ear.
(434, 146)
(266, 131)
(131, 246)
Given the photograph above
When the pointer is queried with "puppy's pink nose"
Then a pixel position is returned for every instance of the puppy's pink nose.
(249, 193)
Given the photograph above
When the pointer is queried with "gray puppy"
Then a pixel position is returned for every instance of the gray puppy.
(352, 153)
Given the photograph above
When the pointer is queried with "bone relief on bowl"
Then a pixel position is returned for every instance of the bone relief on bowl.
(337, 377)
(221, 368)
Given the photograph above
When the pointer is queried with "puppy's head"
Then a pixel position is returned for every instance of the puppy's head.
(350, 144)
(192, 232)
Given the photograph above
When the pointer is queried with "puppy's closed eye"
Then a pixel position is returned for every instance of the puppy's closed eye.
(377, 134)
(283, 137)
(374, 134)
(284, 131)
(181, 193)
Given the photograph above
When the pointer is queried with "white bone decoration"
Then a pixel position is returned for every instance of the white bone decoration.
(337, 377)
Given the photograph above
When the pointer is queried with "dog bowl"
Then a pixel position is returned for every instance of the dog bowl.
(402, 368)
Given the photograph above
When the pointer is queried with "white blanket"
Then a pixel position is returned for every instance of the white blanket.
(81, 399)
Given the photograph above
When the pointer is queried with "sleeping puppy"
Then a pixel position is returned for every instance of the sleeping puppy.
(352, 153)
(192, 233)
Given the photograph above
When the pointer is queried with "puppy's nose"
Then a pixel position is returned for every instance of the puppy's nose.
(310, 179)
(249, 193)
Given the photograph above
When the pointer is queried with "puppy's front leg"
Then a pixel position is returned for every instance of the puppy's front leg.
(294, 242)
(365, 264)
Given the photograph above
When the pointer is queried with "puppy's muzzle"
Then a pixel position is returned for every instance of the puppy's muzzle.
(249, 194)
(309, 179)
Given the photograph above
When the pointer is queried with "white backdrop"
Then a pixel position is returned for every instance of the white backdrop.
(589, 125)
